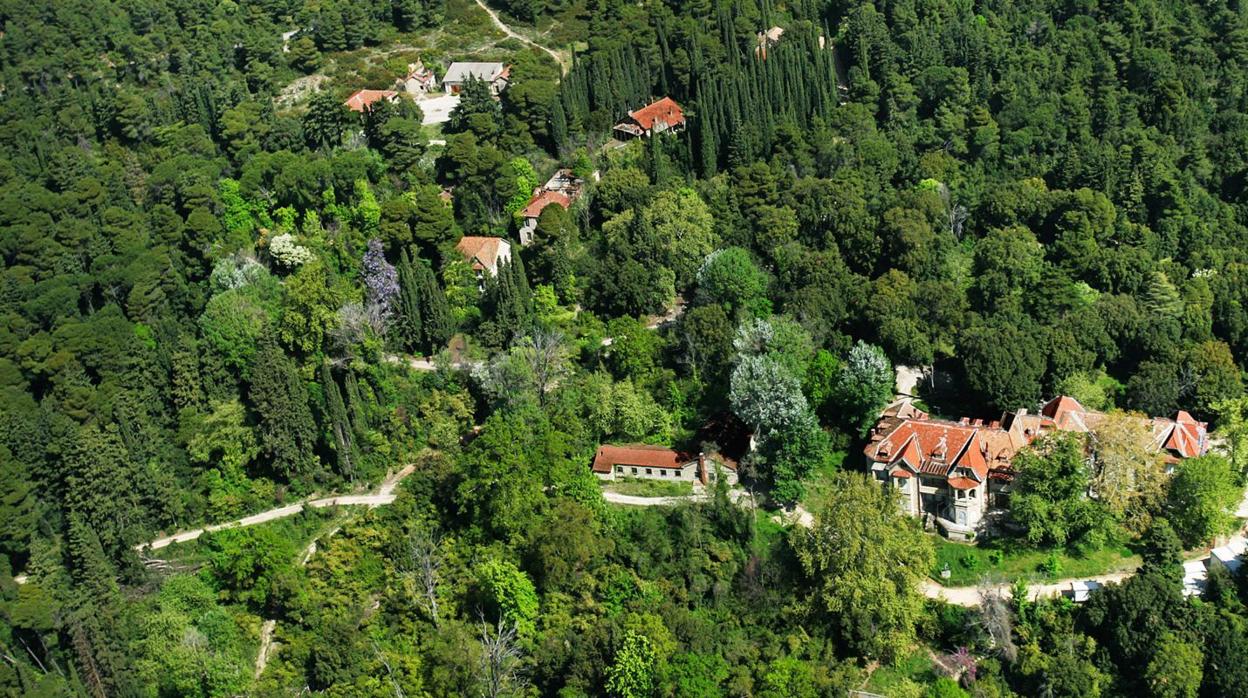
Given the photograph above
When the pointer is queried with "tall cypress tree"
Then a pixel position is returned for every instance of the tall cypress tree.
(435, 310)
(286, 427)
(410, 324)
(340, 425)
(100, 485)
(356, 407)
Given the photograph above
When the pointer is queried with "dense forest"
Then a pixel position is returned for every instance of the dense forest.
(215, 292)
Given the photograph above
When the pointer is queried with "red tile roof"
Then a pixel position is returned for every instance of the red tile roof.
(640, 455)
(483, 252)
(932, 447)
(543, 199)
(364, 99)
(914, 443)
(665, 110)
(963, 483)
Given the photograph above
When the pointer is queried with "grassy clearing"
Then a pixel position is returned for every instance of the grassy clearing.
(1009, 561)
(766, 531)
(639, 487)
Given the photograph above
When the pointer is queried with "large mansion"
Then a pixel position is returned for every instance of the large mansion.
(952, 473)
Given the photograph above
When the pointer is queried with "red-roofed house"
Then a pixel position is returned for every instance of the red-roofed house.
(940, 469)
(562, 188)
(484, 253)
(659, 463)
(952, 473)
(363, 99)
(656, 117)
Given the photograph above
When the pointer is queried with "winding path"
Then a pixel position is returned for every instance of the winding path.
(266, 629)
(383, 495)
(563, 66)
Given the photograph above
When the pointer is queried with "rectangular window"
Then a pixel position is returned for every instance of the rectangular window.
(619, 469)
(649, 471)
(662, 473)
(634, 471)
(972, 494)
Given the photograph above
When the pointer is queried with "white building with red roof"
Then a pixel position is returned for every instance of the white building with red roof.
(656, 117)
(419, 80)
(645, 461)
(952, 474)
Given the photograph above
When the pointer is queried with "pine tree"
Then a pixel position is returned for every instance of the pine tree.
(19, 510)
(340, 425)
(286, 428)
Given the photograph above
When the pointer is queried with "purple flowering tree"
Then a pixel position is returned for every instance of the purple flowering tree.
(381, 281)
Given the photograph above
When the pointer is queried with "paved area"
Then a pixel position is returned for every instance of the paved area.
(437, 110)
(636, 501)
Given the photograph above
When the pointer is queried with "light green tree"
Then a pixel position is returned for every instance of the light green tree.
(1176, 668)
(633, 672)
(862, 562)
(685, 229)
(1201, 499)
(511, 592)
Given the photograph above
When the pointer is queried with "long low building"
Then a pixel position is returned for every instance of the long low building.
(644, 461)
(951, 474)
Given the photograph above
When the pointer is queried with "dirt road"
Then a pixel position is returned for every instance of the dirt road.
(383, 495)
(563, 63)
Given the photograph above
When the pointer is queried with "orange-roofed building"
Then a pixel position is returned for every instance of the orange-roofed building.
(362, 100)
(953, 474)
(659, 463)
(656, 117)
(563, 188)
(484, 253)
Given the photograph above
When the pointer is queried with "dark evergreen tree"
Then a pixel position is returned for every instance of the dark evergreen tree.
(410, 326)
(340, 425)
(285, 425)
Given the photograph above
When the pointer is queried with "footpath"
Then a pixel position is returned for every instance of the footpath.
(382, 496)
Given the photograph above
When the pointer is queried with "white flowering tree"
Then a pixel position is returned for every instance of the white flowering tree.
(285, 251)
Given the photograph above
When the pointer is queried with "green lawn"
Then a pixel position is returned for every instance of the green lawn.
(1010, 560)
(640, 487)
(766, 531)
